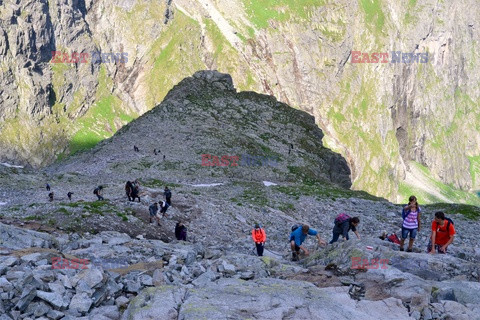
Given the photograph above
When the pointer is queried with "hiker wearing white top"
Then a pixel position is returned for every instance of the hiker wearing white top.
(411, 222)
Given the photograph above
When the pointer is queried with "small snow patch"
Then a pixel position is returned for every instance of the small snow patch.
(207, 185)
(2, 203)
(10, 165)
(268, 183)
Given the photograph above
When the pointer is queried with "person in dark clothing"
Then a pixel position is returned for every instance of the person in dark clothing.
(135, 148)
(48, 187)
(69, 195)
(129, 190)
(343, 228)
(168, 196)
(98, 192)
(163, 208)
(136, 190)
(180, 231)
(153, 212)
(163, 157)
(155, 151)
(50, 195)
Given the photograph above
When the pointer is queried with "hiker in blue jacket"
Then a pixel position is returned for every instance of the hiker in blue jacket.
(298, 236)
(343, 224)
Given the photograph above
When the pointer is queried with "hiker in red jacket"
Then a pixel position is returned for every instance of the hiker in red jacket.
(259, 237)
(443, 233)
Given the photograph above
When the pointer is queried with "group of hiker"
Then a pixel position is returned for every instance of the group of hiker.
(442, 232)
(160, 205)
(51, 193)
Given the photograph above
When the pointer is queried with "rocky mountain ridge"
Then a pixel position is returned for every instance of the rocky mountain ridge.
(397, 133)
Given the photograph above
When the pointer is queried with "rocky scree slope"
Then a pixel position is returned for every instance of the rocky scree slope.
(134, 265)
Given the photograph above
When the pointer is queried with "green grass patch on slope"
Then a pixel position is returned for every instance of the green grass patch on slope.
(100, 121)
(446, 191)
(374, 15)
(261, 12)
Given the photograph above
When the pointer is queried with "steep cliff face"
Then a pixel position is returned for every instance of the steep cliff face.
(403, 127)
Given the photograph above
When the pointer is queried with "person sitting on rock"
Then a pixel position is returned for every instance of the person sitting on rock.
(259, 237)
(153, 209)
(443, 233)
(180, 231)
(298, 236)
(343, 224)
(411, 222)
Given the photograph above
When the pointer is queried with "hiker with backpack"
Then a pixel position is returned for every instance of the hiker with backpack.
(259, 237)
(168, 195)
(47, 186)
(50, 196)
(163, 208)
(98, 192)
(180, 231)
(153, 209)
(443, 233)
(298, 236)
(411, 222)
(135, 190)
(69, 195)
(343, 224)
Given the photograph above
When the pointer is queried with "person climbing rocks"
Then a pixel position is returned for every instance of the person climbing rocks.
(163, 208)
(168, 195)
(259, 237)
(98, 192)
(411, 222)
(180, 231)
(298, 236)
(153, 212)
(129, 190)
(69, 195)
(343, 224)
(136, 190)
(443, 233)
(135, 148)
(47, 186)
(50, 196)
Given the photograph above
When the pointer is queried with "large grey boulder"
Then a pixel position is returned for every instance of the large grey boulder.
(264, 298)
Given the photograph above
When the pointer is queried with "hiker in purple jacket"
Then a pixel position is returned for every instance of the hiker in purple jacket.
(343, 224)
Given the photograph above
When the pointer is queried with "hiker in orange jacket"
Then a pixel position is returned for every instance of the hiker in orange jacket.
(259, 237)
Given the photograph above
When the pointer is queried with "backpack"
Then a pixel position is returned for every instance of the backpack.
(296, 226)
(449, 221)
(393, 238)
(95, 191)
(341, 218)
